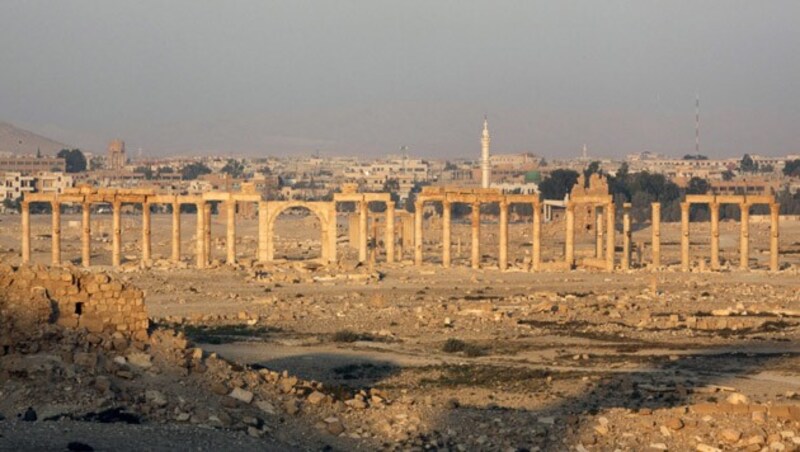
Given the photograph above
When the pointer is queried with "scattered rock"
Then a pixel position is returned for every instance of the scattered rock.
(242, 395)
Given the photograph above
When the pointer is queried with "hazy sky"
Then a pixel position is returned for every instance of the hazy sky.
(366, 77)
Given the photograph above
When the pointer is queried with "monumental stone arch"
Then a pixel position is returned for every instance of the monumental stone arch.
(325, 213)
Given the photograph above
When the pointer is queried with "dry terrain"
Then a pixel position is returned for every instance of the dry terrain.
(407, 358)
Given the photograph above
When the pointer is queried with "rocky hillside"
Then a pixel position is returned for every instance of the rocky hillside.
(23, 142)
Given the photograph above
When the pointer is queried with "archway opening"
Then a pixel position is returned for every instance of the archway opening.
(297, 234)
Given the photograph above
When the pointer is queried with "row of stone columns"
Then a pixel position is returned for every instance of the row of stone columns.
(744, 236)
(204, 234)
(476, 229)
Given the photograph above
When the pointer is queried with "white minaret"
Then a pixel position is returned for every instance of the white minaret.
(486, 168)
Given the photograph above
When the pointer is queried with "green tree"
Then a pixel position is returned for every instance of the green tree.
(234, 168)
(792, 168)
(748, 165)
(12, 204)
(727, 175)
(194, 170)
(697, 186)
(146, 170)
(75, 160)
(558, 184)
(593, 168)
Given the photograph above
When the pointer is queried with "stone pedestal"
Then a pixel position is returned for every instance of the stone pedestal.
(476, 235)
(656, 229)
(86, 234)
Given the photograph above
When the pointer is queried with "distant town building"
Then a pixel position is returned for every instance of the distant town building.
(49, 182)
(116, 155)
(14, 184)
(30, 165)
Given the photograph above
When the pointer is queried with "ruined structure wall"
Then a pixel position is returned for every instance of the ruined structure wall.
(30, 295)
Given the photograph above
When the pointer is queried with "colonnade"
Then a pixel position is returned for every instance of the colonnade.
(475, 198)
(745, 203)
(411, 234)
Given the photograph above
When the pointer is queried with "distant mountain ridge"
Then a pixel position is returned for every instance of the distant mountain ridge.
(23, 142)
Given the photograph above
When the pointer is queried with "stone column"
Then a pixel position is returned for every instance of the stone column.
(176, 232)
(207, 232)
(362, 231)
(418, 233)
(324, 240)
(598, 232)
(685, 236)
(26, 232)
(774, 212)
(116, 239)
(201, 235)
(230, 240)
(714, 206)
(389, 232)
(263, 236)
(146, 234)
(408, 234)
(476, 235)
(86, 235)
(332, 233)
(56, 232)
(744, 236)
(503, 258)
(536, 252)
(656, 228)
(569, 238)
(446, 211)
(611, 231)
(626, 236)
(352, 230)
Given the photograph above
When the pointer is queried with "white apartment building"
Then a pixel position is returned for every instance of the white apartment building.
(14, 184)
(52, 182)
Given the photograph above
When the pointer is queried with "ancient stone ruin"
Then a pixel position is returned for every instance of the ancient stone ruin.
(590, 200)
(32, 297)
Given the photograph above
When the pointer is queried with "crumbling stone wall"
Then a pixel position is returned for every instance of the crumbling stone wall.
(32, 296)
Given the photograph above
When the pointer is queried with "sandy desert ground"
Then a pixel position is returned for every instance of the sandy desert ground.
(463, 359)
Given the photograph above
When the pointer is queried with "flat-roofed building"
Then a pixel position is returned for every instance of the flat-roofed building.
(28, 165)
